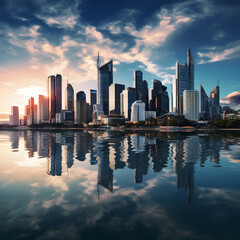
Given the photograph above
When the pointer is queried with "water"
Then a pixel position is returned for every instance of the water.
(99, 185)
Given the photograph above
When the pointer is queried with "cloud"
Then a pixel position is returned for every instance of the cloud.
(216, 54)
(232, 99)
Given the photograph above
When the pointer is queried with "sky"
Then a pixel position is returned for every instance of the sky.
(41, 38)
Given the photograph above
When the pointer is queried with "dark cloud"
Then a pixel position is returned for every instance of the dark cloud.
(233, 99)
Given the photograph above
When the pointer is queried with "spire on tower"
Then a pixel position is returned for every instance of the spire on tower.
(98, 60)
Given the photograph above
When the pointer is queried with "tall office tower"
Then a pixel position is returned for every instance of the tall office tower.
(69, 98)
(93, 100)
(184, 81)
(14, 117)
(30, 112)
(215, 108)
(105, 79)
(191, 104)
(54, 89)
(138, 111)
(43, 109)
(58, 93)
(159, 100)
(81, 108)
(114, 97)
(204, 103)
(127, 98)
(141, 87)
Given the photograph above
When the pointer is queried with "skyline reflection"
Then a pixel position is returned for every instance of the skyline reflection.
(111, 151)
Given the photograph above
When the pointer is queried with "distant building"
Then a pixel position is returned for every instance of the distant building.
(93, 100)
(54, 89)
(204, 104)
(214, 105)
(112, 118)
(43, 111)
(138, 111)
(30, 113)
(127, 98)
(14, 117)
(159, 100)
(141, 87)
(69, 98)
(191, 104)
(81, 108)
(105, 79)
(184, 81)
(115, 90)
(97, 111)
(150, 114)
(67, 117)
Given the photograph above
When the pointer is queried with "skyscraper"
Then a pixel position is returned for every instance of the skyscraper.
(204, 103)
(114, 97)
(81, 108)
(215, 108)
(159, 100)
(105, 79)
(69, 98)
(127, 98)
(43, 109)
(93, 100)
(184, 81)
(141, 87)
(14, 117)
(191, 104)
(138, 111)
(54, 89)
(58, 93)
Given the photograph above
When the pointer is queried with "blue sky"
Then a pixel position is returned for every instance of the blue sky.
(39, 38)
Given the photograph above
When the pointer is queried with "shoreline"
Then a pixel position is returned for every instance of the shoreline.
(146, 129)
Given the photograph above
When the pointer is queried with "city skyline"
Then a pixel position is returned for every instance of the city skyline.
(31, 52)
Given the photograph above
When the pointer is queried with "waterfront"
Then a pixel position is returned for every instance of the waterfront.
(102, 185)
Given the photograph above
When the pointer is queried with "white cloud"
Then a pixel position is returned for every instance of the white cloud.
(216, 54)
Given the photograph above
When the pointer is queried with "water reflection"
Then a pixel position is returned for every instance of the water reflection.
(111, 151)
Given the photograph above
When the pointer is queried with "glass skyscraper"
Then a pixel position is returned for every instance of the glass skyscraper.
(69, 98)
(105, 79)
(141, 87)
(81, 108)
(54, 89)
(184, 81)
(114, 96)
(159, 100)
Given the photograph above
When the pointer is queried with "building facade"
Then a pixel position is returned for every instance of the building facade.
(138, 111)
(105, 79)
(191, 104)
(14, 117)
(81, 108)
(43, 111)
(159, 100)
(69, 98)
(127, 98)
(184, 81)
(115, 90)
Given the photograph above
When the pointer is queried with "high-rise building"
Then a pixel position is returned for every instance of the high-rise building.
(58, 93)
(14, 117)
(81, 108)
(204, 103)
(191, 104)
(184, 81)
(93, 100)
(54, 88)
(141, 87)
(69, 98)
(30, 112)
(214, 108)
(105, 79)
(43, 109)
(159, 100)
(138, 111)
(114, 97)
(127, 98)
